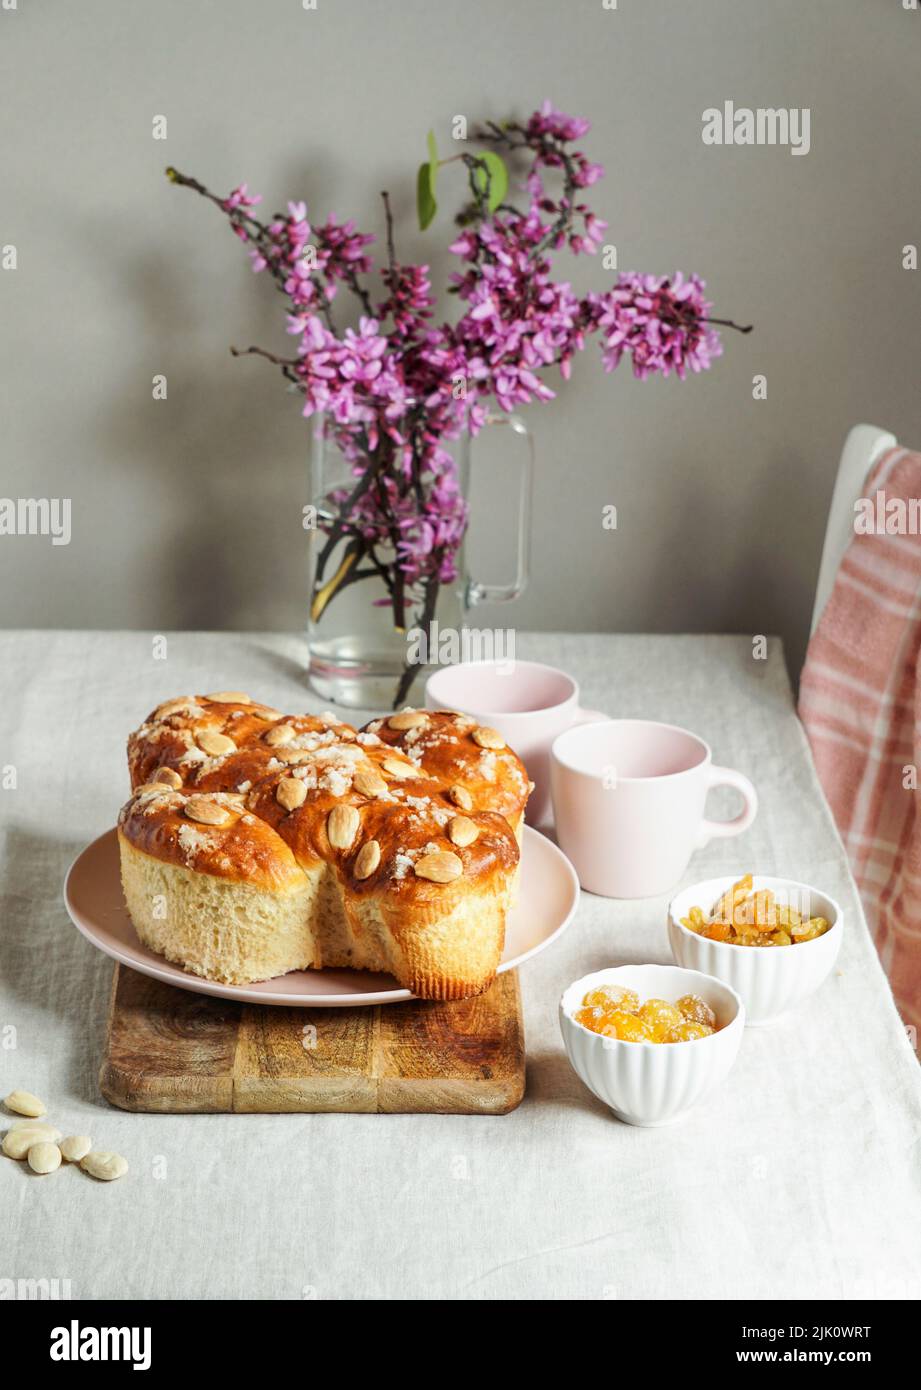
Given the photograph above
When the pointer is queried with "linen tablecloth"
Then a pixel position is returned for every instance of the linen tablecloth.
(800, 1177)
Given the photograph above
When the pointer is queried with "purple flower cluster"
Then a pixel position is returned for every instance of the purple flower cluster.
(352, 378)
(520, 320)
(661, 323)
(308, 262)
(399, 388)
(410, 300)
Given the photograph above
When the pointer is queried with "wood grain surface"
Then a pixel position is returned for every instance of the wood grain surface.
(174, 1051)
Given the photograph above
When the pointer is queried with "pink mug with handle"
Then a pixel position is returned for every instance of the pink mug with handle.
(629, 798)
(529, 703)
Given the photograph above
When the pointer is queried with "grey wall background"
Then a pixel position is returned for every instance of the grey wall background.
(186, 512)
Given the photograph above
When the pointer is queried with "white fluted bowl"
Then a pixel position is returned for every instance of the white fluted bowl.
(769, 979)
(653, 1083)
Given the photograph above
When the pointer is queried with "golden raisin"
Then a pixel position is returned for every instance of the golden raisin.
(808, 931)
(725, 908)
(761, 912)
(754, 918)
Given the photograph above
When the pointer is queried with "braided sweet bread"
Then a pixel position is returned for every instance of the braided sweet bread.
(255, 843)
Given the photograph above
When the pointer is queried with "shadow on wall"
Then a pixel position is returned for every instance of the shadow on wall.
(227, 451)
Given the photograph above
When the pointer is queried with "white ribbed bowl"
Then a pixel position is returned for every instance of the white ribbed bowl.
(653, 1083)
(769, 979)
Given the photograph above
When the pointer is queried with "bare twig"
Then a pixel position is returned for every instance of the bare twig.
(287, 364)
(391, 252)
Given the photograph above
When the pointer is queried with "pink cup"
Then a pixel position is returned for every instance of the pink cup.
(629, 797)
(530, 704)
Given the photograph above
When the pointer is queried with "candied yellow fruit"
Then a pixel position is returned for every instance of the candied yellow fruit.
(655, 1021)
(696, 1010)
(660, 1017)
(627, 1027)
(688, 1032)
(743, 917)
(613, 997)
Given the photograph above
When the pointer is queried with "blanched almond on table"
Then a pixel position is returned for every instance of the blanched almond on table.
(342, 826)
(397, 767)
(462, 831)
(44, 1157)
(461, 797)
(216, 744)
(24, 1103)
(199, 808)
(18, 1142)
(290, 793)
(441, 866)
(487, 738)
(104, 1165)
(75, 1147)
(281, 734)
(168, 777)
(367, 859)
(408, 719)
(369, 783)
(229, 697)
(47, 1130)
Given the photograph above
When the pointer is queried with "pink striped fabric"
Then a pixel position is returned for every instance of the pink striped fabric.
(860, 702)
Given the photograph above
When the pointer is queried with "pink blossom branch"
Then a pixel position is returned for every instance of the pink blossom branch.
(389, 395)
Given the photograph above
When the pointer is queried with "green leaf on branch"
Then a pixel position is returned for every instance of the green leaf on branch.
(425, 185)
(425, 196)
(493, 174)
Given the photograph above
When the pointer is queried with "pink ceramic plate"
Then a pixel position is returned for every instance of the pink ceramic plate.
(548, 897)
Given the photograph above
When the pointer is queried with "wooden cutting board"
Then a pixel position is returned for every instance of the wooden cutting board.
(169, 1050)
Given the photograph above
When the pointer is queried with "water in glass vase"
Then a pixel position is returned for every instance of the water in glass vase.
(358, 656)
